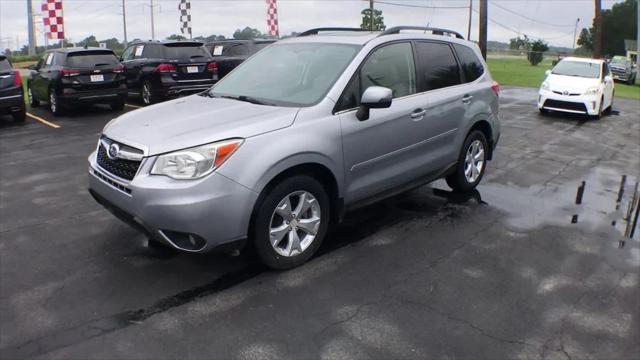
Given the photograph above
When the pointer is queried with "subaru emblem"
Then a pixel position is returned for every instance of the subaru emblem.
(114, 151)
(565, 92)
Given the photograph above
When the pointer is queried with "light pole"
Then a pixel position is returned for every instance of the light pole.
(371, 15)
(470, 18)
(124, 22)
(31, 29)
(575, 31)
(153, 27)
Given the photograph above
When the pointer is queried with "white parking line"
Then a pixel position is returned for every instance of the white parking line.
(133, 106)
(48, 123)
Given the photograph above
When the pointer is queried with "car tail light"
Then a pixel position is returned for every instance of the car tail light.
(118, 69)
(212, 66)
(17, 80)
(165, 68)
(495, 87)
(69, 72)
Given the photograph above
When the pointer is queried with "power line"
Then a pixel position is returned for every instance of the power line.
(526, 17)
(421, 6)
(507, 27)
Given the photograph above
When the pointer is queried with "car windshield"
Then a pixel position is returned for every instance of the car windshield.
(4, 65)
(620, 62)
(287, 74)
(91, 59)
(577, 68)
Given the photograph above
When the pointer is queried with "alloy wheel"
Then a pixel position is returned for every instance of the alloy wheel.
(474, 161)
(294, 223)
(53, 102)
(146, 94)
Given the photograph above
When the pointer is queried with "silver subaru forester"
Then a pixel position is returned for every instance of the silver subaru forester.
(297, 135)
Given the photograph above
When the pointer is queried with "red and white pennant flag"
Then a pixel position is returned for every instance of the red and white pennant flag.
(272, 18)
(53, 19)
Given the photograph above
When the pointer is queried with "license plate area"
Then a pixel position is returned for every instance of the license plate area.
(96, 78)
(192, 69)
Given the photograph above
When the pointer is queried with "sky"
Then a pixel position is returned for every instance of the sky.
(551, 20)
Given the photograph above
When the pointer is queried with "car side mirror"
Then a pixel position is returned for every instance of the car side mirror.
(375, 97)
(607, 79)
(547, 73)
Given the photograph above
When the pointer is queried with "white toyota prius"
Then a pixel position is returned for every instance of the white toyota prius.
(579, 86)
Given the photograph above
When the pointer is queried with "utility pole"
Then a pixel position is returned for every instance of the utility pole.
(482, 36)
(638, 48)
(370, 15)
(470, 18)
(575, 31)
(153, 27)
(124, 22)
(31, 29)
(597, 34)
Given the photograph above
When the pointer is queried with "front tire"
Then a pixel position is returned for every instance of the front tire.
(291, 222)
(598, 116)
(471, 163)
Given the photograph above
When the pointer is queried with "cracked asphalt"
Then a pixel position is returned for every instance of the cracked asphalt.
(516, 269)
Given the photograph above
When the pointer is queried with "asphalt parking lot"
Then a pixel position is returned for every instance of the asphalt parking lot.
(514, 270)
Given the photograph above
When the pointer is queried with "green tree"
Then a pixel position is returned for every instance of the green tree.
(89, 41)
(536, 51)
(519, 43)
(378, 20)
(618, 23)
(585, 40)
(176, 37)
(248, 33)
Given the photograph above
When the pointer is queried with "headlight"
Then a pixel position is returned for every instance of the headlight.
(195, 162)
(544, 86)
(592, 91)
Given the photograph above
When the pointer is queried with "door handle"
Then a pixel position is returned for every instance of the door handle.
(467, 99)
(418, 114)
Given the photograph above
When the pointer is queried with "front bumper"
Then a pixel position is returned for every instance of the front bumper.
(578, 104)
(191, 216)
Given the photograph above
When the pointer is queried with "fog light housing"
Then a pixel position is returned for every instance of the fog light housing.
(184, 241)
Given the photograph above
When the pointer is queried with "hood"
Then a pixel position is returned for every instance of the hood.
(572, 84)
(196, 120)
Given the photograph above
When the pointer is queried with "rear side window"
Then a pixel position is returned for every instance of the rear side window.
(4, 65)
(184, 51)
(261, 45)
(152, 52)
(438, 66)
(91, 59)
(236, 50)
(471, 66)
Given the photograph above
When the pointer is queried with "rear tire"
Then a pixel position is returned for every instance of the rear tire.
(147, 93)
(471, 164)
(20, 116)
(282, 238)
(118, 105)
(54, 103)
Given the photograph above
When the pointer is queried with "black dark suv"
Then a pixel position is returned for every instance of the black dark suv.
(11, 92)
(64, 77)
(230, 53)
(159, 70)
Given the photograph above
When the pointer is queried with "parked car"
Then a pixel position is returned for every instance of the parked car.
(11, 91)
(67, 77)
(230, 53)
(579, 86)
(303, 131)
(622, 70)
(157, 70)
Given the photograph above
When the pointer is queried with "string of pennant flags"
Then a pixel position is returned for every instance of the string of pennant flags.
(53, 18)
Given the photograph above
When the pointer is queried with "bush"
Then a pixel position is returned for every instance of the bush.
(536, 50)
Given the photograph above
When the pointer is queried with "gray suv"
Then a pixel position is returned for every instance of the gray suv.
(303, 131)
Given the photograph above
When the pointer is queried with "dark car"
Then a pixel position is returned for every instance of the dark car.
(622, 70)
(66, 77)
(11, 92)
(159, 70)
(231, 53)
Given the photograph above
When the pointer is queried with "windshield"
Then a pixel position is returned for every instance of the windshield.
(287, 74)
(577, 68)
(620, 62)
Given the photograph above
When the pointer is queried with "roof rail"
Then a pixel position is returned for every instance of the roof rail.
(317, 30)
(434, 31)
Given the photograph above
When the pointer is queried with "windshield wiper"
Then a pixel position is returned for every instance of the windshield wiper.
(244, 98)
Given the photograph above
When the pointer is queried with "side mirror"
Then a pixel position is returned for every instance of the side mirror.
(607, 79)
(547, 73)
(375, 97)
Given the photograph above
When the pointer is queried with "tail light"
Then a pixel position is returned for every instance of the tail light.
(17, 80)
(495, 87)
(212, 66)
(69, 72)
(118, 69)
(165, 68)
